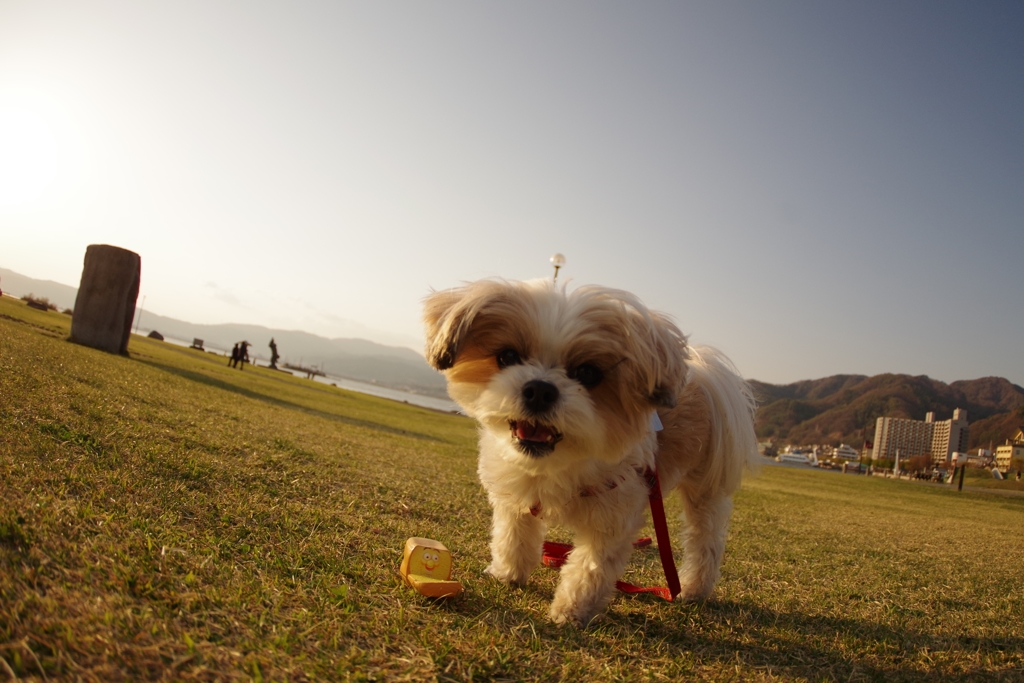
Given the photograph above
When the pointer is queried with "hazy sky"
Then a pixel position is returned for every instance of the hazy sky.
(814, 187)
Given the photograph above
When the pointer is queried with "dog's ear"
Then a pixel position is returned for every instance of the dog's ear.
(650, 341)
(444, 315)
(664, 349)
(449, 315)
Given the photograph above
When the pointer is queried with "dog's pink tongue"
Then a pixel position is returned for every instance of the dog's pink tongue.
(528, 431)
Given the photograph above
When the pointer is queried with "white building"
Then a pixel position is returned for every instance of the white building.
(913, 438)
(1012, 450)
(949, 436)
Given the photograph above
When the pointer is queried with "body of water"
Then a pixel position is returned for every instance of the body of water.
(433, 402)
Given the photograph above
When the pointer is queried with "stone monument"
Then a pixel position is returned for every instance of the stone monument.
(105, 305)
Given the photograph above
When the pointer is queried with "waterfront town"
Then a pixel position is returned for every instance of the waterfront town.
(927, 449)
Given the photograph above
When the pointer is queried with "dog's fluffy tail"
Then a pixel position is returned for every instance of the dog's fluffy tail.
(733, 442)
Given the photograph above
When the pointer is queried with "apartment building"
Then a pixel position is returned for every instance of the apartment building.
(914, 438)
(949, 436)
(1012, 450)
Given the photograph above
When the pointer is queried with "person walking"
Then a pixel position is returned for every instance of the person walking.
(273, 354)
(234, 357)
(243, 354)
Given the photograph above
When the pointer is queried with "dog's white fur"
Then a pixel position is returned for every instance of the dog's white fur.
(581, 466)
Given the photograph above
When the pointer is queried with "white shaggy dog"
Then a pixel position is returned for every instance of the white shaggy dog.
(565, 386)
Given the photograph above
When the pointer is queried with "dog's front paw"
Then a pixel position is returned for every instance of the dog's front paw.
(696, 585)
(565, 610)
(507, 574)
(562, 616)
(694, 593)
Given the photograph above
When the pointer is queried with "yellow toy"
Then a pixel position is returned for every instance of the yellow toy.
(427, 567)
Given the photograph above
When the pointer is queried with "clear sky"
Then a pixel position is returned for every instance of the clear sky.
(814, 187)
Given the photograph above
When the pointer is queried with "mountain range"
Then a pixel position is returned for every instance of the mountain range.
(833, 410)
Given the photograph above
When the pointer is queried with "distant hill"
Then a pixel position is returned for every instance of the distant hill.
(843, 408)
(20, 285)
(359, 359)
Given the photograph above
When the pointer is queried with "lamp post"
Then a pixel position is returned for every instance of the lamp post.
(557, 261)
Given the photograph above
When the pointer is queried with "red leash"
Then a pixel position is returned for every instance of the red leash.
(556, 554)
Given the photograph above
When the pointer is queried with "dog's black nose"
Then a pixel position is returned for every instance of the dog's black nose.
(539, 396)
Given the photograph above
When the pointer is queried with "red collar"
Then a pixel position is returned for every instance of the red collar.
(598, 489)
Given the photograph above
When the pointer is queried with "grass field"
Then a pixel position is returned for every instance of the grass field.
(163, 516)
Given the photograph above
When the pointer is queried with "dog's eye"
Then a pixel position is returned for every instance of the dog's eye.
(588, 375)
(507, 357)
